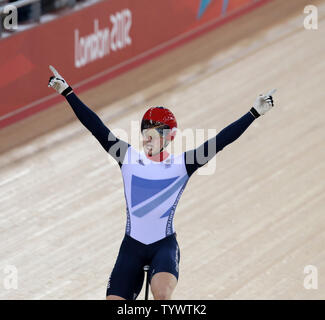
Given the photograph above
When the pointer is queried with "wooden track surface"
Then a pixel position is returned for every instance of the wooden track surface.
(245, 232)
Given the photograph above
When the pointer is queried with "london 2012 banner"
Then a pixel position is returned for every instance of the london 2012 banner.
(98, 42)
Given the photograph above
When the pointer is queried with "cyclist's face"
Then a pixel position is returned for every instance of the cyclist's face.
(153, 142)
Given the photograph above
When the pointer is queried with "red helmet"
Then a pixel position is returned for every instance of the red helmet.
(158, 116)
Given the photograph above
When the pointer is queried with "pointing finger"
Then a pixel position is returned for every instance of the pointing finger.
(56, 74)
(271, 92)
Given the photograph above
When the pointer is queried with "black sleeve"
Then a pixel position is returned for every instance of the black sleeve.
(198, 157)
(114, 146)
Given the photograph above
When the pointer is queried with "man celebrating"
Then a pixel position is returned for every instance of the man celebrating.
(153, 184)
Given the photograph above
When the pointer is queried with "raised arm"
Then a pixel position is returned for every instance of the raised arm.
(114, 146)
(198, 157)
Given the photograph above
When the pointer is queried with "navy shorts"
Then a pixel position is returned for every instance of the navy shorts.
(127, 277)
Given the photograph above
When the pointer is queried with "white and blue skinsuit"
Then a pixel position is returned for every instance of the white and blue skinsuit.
(152, 191)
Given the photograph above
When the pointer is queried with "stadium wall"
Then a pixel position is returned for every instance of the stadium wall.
(99, 42)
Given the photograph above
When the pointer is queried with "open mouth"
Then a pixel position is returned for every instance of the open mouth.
(148, 146)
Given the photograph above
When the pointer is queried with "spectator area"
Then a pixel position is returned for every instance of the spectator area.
(33, 12)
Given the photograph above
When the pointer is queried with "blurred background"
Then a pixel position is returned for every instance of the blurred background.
(252, 228)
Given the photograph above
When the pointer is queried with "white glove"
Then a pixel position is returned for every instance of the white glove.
(263, 104)
(58, 83)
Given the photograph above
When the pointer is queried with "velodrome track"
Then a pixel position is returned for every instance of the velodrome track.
(245, 232)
